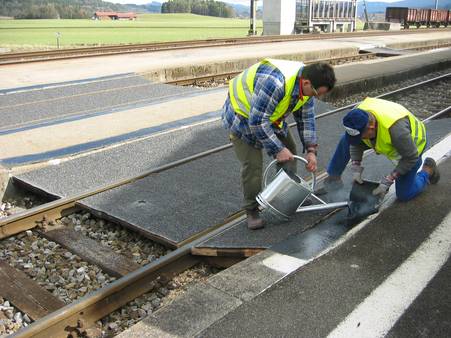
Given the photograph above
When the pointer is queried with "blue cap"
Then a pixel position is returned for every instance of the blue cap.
(355, 123)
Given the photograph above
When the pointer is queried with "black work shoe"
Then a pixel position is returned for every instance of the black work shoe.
(430, 166)
(254, 221)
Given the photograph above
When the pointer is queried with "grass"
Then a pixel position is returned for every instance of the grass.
(38, 34)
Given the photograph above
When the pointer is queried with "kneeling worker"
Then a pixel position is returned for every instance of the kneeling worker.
(389, 129)
(259, 100)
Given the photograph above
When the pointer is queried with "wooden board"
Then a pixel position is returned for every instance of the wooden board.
(27, 295)
(225, 252)
(90, 250)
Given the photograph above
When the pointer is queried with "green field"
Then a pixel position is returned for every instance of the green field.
(38, 34)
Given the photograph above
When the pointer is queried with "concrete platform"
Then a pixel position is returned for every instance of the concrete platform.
(168, 65)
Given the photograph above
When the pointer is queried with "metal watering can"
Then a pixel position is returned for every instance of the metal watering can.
(287, 191)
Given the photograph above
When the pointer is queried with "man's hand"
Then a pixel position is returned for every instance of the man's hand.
(311, 162)
(357, 170)
(384, 185)
(284, 155)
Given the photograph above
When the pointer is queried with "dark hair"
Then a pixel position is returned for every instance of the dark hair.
(320, 75)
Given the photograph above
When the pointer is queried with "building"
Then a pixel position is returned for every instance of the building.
(298, 16)
(114, 16)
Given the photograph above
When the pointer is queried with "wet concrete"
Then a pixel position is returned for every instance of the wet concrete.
(309, 243)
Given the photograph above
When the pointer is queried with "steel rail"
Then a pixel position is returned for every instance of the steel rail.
(39, 56)
(100, 303)
(77, 316)
(27, 219)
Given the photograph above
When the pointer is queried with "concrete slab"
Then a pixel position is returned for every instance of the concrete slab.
(253, 276)
(188, 315)
(378, 73)
(312, 301)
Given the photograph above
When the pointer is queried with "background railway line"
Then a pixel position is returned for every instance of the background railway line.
(39, 56)
(80, 316)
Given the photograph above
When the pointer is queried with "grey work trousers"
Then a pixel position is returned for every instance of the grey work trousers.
(251, 160)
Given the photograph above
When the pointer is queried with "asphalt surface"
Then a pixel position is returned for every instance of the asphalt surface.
(314, 300)
(45, 105)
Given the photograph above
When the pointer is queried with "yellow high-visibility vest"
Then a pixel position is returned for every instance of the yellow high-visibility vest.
(387, 113)
(241, 89)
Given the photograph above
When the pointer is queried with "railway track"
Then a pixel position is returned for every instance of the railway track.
(78, 318)
(39, 56)
(224, 77)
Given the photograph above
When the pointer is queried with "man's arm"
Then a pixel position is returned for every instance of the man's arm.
(401, 138)
(268, 92)
(305, 123)
(356, 151)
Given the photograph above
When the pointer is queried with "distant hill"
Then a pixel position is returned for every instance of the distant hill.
(244, 11)
(379, 7)
(152, 7)
(56, 9)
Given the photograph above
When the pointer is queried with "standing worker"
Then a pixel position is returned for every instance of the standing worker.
(389, 129)
(259, 100)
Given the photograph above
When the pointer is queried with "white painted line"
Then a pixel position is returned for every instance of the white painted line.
(283, 263)
(377, 314)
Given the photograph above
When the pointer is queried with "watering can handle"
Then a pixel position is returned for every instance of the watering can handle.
(296, 157)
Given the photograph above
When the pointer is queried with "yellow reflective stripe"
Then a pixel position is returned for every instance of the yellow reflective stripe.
(300, 103)
(237, 98)
(422, 142)
(415, 139)
(246, 89)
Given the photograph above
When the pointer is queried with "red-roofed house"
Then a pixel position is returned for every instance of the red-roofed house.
(114, 16)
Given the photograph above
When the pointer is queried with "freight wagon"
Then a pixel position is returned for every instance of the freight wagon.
(418, 17)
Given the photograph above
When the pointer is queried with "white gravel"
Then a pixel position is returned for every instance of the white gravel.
(116, 237)
(11, 319)
(57, 270)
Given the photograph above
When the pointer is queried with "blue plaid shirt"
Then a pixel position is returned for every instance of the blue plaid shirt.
(258, 130)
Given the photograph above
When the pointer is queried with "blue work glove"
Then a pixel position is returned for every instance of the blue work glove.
(384, 185)
(357, 170)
